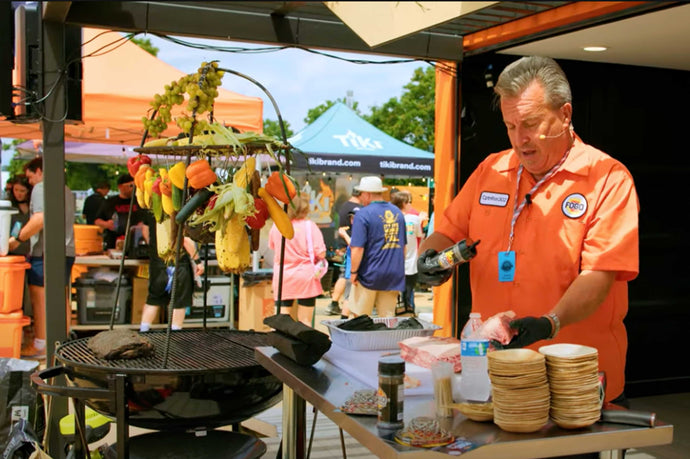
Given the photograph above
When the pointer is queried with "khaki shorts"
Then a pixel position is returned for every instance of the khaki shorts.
(362, 301)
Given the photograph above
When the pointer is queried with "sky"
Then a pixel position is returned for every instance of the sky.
(298, 80)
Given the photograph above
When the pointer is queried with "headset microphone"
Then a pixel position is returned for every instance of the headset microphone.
(543, 137)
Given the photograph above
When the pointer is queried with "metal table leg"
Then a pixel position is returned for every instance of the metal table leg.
(294, 423)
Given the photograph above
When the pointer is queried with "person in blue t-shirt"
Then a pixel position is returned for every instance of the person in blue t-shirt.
(377, 252)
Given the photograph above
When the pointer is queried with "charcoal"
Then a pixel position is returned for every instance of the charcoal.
(409, 324)
(288, 326)
(359, 323)
(120, 343)
(296, 350)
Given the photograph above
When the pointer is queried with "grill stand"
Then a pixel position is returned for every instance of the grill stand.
(114, 394)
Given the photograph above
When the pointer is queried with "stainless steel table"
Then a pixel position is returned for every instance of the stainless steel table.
(326, 387)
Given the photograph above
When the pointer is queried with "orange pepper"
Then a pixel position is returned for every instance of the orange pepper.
(141, 176)
(280, 186)
(166, 186)
(200, 175)
(202, 179)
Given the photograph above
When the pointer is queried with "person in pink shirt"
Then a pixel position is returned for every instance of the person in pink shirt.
(301, 282)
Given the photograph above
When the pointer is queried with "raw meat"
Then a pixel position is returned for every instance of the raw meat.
(497, 328)
(120, 344)
(425, 350)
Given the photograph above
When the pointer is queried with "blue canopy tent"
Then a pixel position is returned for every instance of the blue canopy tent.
(341, 141)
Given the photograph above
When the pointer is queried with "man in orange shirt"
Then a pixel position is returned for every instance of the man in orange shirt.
(558, 223)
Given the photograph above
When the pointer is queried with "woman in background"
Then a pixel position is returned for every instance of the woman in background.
(301, 283)
(20, 195)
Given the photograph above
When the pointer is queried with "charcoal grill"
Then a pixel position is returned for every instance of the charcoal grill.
(211, 379)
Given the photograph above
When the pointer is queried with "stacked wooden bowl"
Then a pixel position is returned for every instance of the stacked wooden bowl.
(520, 389)
(576, 394)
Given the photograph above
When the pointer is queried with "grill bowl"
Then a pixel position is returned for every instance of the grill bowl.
(211, 379)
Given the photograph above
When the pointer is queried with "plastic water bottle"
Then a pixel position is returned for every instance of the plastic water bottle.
(475, 384)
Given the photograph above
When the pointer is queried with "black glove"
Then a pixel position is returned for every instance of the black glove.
(530, 330)
(431, 275)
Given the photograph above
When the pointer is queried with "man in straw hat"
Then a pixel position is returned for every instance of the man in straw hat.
(558, 221)
(378, 252)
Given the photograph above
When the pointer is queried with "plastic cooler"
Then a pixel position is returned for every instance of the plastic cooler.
(12, 272)
(95, 300)
(11, 334)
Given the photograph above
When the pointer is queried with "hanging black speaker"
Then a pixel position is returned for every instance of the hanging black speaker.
(6, 58)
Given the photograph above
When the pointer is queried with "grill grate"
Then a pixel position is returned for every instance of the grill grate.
(190, 351)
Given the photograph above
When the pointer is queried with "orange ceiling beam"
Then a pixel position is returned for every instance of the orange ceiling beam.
(550, 19)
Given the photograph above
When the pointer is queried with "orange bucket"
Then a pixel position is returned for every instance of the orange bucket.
(11, 334)
(12, 272)
(88, 239)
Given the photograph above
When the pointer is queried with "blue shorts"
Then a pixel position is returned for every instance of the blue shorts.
(35, 273)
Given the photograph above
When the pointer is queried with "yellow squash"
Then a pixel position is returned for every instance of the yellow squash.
(278, 215)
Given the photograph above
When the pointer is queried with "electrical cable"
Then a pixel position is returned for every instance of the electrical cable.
(122, 39)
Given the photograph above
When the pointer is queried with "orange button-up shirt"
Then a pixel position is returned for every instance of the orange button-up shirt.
(585, 217)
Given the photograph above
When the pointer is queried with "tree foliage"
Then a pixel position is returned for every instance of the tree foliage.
(411, 118)
(319, 110)
(272, 127)
(83, 176)
(145, 44)
(79, 176)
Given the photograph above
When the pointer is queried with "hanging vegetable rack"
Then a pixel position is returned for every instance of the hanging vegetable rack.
(239, 149)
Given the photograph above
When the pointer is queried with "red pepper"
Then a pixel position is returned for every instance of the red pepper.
(212, 202)
(258, 220)
(135, 162)
(157, 186)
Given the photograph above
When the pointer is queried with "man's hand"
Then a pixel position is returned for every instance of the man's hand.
(431, 276)
(530, 330)
(13, 243)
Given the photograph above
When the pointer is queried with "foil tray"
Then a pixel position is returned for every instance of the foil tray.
(378, 339)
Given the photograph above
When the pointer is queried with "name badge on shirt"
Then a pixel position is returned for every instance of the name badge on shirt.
(506, 266)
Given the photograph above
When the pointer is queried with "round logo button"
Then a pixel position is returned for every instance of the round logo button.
(574, 206)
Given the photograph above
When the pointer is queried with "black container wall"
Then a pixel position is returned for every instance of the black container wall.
(186, 401)
(210, 378)
(630, 113)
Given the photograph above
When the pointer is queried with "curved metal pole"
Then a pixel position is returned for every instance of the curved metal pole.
(127, 236)
(287, 168)
(178, 251)
(273, 101)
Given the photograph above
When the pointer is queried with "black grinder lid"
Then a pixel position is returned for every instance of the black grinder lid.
(391, 365)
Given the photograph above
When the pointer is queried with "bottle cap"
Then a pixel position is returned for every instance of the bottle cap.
(475, 315)
(391, 364)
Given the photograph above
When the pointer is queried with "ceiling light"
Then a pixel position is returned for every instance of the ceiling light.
(595, 49)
